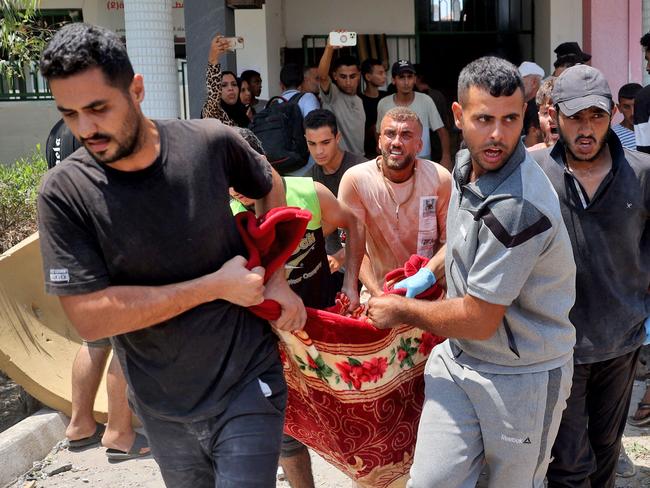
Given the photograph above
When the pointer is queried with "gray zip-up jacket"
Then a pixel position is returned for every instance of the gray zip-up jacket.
(507, 245)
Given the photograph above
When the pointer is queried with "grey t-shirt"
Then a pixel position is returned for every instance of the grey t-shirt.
(168, 223)
(507, 244)
(350, 117)
(332, 182)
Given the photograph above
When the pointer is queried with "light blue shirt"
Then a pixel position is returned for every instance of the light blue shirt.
(307, 103)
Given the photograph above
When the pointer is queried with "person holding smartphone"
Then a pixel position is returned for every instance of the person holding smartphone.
(222, 101)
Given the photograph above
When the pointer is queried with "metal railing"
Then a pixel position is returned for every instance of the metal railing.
(32, 86)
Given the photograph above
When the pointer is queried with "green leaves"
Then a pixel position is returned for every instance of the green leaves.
(23, 36)
(18, 187)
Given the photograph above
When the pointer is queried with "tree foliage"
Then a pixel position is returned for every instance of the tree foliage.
(18, 188)
(22, 36)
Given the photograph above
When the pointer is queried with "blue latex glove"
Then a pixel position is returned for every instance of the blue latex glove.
(416, 284)
(647, 332)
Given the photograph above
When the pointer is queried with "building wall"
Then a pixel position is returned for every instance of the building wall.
(612, 37)
(645, 28)
(363, 16)
(263, 33)
(275, 40)
(556, 21)
(23, 125)
(251, 25)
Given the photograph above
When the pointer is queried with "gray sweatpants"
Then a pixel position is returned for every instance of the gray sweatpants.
(507, 420)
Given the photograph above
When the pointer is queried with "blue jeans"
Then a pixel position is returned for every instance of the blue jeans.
(239, 448)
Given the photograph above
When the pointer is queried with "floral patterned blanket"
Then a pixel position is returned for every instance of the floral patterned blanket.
(355, 392)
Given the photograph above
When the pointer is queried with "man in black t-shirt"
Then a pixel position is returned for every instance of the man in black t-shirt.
(119, 438)
(374, 77)
(139, 243)
(323, 136)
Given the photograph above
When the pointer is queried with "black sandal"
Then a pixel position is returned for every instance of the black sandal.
(643, 421)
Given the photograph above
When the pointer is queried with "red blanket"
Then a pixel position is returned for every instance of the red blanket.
(355, 392)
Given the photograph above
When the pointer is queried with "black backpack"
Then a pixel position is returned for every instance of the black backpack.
(60, 144)
(280, 128)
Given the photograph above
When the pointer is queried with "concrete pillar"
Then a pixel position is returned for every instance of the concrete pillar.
(203, 19)
(556, 21)
(150, 43)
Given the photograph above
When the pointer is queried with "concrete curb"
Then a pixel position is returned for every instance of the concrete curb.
(28, 441)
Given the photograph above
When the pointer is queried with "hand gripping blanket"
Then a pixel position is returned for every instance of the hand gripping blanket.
(355, 392)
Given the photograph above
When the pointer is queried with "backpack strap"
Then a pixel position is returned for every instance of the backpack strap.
(296, 98)
(273, 99)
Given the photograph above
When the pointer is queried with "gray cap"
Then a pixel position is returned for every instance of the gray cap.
(581, 87)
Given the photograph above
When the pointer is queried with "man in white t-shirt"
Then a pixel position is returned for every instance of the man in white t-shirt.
(403, 73)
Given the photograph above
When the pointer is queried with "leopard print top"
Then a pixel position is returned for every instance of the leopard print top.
(212, 105)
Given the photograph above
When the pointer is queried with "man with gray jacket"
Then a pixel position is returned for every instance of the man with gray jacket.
(496, 389)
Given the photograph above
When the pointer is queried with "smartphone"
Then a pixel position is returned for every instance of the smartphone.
(343, 38)
(235, 42)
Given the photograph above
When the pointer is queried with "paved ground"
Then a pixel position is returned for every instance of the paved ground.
(91, 468)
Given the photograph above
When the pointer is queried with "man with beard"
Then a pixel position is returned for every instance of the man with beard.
(401, 199)
(495, 391)
(604, 193)
(139, 242)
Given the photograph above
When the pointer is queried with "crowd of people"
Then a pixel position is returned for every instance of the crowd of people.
(537, 227)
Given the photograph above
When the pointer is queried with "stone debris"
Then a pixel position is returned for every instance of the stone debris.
(43, 469)
(60, 467)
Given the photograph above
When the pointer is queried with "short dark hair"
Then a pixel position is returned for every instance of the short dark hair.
(545, 91)
(495, 75)
(645, 40)
(531, 119)
(629, 91)
(368, 65)
(345, 61)
(403, 114)
(252, 140)
(321, 118)
(248, 75)
(78, 46)
(291, 75)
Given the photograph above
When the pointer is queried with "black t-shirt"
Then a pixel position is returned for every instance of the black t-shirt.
(332, 182)
(370, 107)
(168, 223)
